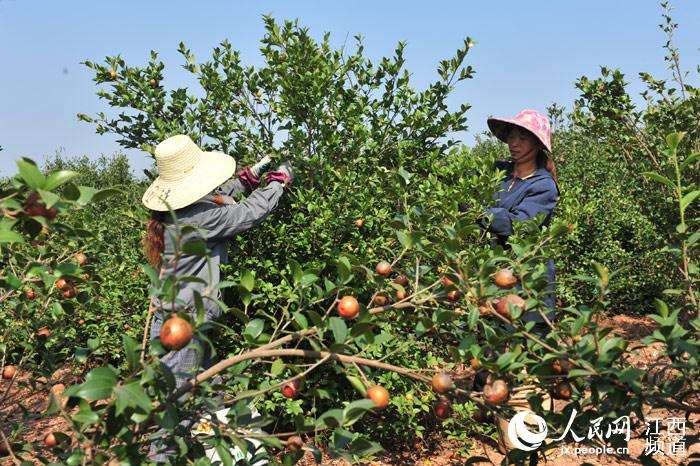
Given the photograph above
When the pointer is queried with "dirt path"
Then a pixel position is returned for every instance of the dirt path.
(433, 451)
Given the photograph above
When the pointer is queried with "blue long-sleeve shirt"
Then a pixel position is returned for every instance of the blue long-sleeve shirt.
(522, 199)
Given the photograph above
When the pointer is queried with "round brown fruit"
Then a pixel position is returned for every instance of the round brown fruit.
(442, 383)
(383, 268)
(30, 293)
(359, 223)
(497, 392)
(8, 372)
(504, 278)
(176, 333)
(502, 304)
(348, 307)
(563, 391)
(62, 284)
(380, 300)
(295, 443)
(291, 389)
(442, 408)
(112, 74)
(561, 366)
(474, 363)
(81, 259)
(153, 83)
(50, 440)
(446, 281)
(401, 280)
(400, 295)
(69, 293)
(454, 296)
(379, 395)
(43, 332)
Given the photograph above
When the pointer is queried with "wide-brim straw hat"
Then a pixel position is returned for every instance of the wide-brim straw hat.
(186, 173)
(531, 120)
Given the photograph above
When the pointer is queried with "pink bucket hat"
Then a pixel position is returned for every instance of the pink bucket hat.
(531, 120)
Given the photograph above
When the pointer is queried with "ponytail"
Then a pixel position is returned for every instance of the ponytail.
(153, 242)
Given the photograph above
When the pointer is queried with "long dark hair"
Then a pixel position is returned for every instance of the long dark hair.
(153, 242)
(544, 160)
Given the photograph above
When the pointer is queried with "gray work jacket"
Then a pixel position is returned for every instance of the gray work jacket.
(217, 225)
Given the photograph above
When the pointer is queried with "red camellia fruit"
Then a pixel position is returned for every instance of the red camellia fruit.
(496, 392)
(504, 278)
(50, 440)
(474, 363)
(348, 307)
(295, 443)
(563, 391)
(359, 223)
(8, 372)
(442, 408)
(446, 281)
(291, 389)
(401, 280)
(454, 296)
(502, 304)
(400, 295)
(153, 83)
(30, 293)
(70, 292)
(176, 333)
(62, 284)
(379, 395)
(442, 383)
(81, 259)
(561, 366)
(112, 74)
(383, 268)
(380, 300)
(43, 332)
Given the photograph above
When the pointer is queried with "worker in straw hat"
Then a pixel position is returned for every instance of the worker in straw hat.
(200, 188)
(528, 188)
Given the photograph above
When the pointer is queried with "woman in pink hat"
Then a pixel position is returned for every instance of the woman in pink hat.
(530, 185)
(529, 188)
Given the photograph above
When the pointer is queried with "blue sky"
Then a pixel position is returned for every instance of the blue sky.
(528, 54)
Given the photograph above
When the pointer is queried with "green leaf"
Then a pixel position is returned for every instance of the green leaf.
(131, 395)
(85, 414)
(692, 158)
(195, 247)
(49, 198)
(405, 175)
(98, 385)
(58, 178)
(602, 273)
(660, 178)
(86, 194)
(8, 236)
(357, 384)
(103, 194)
(332, 418)
(132, 352)
(689, 198)
(277, 367)
(340, 330)
(673, 139)
(254, 328)
(355, 410)
(301, 320)
(31, 174)
(247, 279)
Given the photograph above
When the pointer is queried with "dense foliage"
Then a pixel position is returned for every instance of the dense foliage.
(367, 146)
